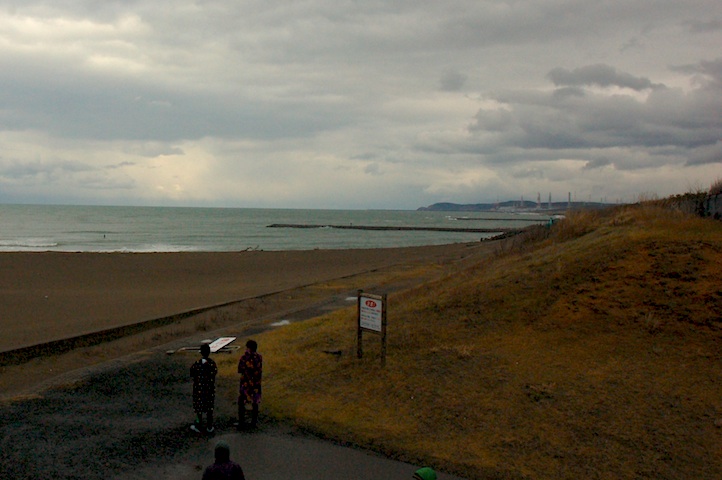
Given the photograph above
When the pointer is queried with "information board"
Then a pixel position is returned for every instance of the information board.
(371, 313)
(371, 318)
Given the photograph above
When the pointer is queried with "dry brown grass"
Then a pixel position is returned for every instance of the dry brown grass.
(591, 351)
(716, 187)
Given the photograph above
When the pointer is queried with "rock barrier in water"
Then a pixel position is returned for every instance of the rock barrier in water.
(395, 228)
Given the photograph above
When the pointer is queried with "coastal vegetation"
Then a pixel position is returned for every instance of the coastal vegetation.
(587, 349)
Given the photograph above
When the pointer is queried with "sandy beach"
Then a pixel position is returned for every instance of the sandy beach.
(50, 296)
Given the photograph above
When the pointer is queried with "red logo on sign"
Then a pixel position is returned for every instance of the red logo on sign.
(370, 304)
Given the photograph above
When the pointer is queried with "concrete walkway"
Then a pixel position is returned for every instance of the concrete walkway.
(276, 453)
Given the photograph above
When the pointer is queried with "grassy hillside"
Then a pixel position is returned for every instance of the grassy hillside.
(590, 350)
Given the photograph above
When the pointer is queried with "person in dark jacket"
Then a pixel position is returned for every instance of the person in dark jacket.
(203, 372)
(250, 367)
(223, 468)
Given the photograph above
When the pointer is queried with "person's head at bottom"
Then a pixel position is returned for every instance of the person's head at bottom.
(222, 452)
(424, 473)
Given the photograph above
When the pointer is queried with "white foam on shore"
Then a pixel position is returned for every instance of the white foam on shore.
(27, 245)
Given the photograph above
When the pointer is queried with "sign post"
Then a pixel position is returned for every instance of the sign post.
(371, 318)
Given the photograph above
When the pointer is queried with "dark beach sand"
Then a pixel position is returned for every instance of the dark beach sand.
(50, 296)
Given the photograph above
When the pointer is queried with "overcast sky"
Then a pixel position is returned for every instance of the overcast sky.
(357, 104)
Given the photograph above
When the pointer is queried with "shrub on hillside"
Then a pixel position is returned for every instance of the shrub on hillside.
(522, 241)
(716, 187)
(577, 223)
(691, 202)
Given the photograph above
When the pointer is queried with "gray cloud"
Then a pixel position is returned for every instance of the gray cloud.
(386, 104)
(452, 81)
(667, 117)
(597, 163)
(601, 75)
(704, 26)
(708, 154)
(708, 73)
(41, 172)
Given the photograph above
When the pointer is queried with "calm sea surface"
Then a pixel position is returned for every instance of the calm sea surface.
(169, 229)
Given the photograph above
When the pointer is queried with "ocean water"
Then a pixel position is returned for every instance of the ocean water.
(177, 229)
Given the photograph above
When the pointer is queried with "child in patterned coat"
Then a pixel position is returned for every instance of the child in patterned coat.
(203, 372)
(250, 367)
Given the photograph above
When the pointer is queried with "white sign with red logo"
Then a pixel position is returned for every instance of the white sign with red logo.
(371, 314)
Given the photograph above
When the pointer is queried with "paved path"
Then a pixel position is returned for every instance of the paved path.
(277, 454)
(129, 420)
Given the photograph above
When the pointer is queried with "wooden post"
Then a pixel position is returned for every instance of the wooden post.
(359, 334)
(383, 330)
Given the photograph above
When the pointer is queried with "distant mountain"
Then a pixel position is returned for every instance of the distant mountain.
(507, 206)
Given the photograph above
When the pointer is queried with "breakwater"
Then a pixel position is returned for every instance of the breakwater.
(497, 219)
(395, 228)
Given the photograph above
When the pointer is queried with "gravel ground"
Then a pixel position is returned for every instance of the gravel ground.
(101, 426)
